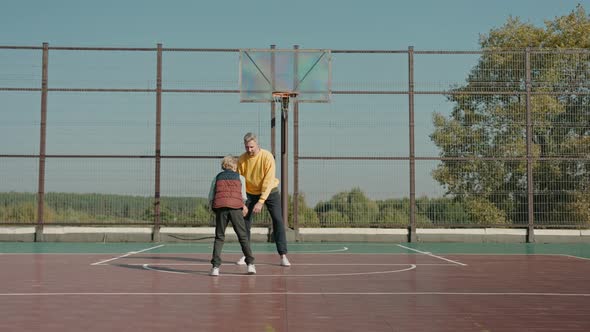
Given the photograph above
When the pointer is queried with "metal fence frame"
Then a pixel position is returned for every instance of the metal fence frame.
(158, 91)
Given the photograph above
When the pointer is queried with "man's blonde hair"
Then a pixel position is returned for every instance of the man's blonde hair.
(229, 162)
(250, 137)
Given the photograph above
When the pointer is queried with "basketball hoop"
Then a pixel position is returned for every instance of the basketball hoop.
(283, 98)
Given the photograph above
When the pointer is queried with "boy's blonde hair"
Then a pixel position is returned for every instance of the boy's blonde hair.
(229, 163)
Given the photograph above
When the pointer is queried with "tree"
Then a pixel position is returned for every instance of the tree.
(202, 214)
(440, 211)
(493, 126)
(307, 217)
(348, 207)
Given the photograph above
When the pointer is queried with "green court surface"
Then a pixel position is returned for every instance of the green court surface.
(581, 250)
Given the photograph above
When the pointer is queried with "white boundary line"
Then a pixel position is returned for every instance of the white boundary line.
(303, 293)
(431, 255)
(125, 255)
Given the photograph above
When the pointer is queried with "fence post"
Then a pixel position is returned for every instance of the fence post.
(42, 146)
(157, 221)
(529, 148)
(273, 117)
(412, 229)
(296, 168)
(285, 150)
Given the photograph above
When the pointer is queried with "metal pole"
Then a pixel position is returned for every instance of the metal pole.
(273, 117)
(42, 146)
(285, 147)
(529, 156)
(296, 168)
(284, 159)
(158, 159)
(412, 230)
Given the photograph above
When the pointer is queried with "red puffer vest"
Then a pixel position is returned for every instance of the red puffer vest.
(228, 191)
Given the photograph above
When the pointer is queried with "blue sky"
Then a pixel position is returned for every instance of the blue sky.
(344, 24)
(123, 124)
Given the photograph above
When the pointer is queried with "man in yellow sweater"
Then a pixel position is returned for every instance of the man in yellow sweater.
(258, 167)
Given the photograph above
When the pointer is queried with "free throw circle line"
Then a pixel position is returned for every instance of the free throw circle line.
(299, 252)
(298, 264)
(412, 267)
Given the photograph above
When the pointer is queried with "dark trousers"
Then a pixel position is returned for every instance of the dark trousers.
(222, 217)
(273, 204)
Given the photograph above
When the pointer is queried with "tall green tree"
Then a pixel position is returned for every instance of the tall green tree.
(492, 125)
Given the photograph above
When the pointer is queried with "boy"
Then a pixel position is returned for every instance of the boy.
(226, 198)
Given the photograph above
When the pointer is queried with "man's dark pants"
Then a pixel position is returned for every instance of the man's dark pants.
(273, 204)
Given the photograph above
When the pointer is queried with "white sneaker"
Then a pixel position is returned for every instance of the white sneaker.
(251, 269)
(285, 261)
(214, 272)
(242, 261)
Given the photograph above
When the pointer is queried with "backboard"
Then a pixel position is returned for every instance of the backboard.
(307, 73)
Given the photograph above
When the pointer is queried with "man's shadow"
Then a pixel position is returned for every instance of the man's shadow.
(164, 268)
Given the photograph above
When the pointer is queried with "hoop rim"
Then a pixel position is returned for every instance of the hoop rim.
(284, 94)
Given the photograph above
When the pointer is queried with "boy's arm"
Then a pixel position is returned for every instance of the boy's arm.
(211, 193)
(244, 196)
(243, 182)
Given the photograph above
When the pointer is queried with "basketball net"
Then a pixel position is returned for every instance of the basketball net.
(283, 98)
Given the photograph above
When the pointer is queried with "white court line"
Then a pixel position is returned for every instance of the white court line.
(514, 254)
(299, 252)
(431, 255)
(125, 255)
(292, 264)
(303, 293)
(572, 256)
(147, 267)
(412, 267)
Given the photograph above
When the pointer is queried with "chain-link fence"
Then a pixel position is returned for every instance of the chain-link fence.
(410, 138)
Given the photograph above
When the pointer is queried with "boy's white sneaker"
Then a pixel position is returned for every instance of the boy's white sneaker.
(285, 261)
(251, 269)
(242, 261)
(214, 272)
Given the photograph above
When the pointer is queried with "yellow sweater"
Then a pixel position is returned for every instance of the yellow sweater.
(259, 172)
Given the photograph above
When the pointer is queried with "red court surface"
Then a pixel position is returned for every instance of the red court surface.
(148, 291)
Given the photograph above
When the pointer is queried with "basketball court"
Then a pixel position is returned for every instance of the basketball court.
(329, 287)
